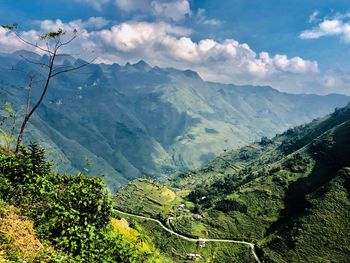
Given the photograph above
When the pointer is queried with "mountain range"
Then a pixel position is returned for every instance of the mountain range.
(131, 121)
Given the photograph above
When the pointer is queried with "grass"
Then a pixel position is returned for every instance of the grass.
(147, 197)
(177, 248)
(321, 233)
(284, 194)
(18, 239)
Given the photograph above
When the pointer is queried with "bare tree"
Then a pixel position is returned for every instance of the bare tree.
(52, 45)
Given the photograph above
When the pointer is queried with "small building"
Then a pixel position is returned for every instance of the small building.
(201, 242)
(182, 206)
(170, 218)
(192, 256)
(197, 216)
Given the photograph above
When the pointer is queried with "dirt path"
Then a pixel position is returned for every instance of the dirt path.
(251, 245)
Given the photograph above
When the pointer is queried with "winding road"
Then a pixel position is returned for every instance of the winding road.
(251, 245)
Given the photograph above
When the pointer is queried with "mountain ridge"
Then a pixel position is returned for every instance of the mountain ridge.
(289, 195)
(137, 120)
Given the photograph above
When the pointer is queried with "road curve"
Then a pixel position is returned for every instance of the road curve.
(251, 245)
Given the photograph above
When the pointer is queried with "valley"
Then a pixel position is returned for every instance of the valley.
(125, 122)
(279, 194)
(174, 131)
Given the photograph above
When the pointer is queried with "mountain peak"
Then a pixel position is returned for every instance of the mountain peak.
(191, 74)
(142, 65)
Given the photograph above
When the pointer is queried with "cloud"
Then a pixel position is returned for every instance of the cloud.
(313, 16)
(133, 5)
(97, 4)
(175, 10)
(336, 81)
(134, 36)
(167, 45)
(93, 22)
(90, 23)
(9, 42)
(202, 19)
(329, 27)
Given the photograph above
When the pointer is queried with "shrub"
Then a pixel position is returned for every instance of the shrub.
(229, 205)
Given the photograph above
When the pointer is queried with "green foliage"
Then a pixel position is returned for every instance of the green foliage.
(53, 34)
(146, 197)
(297, 163)
(8, 118)
(10, 27)
(285, 194)
(229, 205)
(71, 212)
(6, 245)
(177, 248)
(321, 233)
(160, 126)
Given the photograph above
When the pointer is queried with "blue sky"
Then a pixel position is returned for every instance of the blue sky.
(295, 46)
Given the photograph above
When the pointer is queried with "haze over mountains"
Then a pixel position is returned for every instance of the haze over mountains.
(129, 121)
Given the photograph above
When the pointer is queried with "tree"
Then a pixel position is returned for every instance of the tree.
(52, 44)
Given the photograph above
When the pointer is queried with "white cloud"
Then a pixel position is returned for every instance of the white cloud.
(167, 45)
(175, 10)
(329, 27)
(313, 16)
(202, 19)
(97, 4)
(336, 81)
(9, 42)
(92, 22)
(132, 5)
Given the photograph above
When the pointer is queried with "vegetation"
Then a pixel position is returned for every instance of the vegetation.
(178, 249)
(288, 195)
(148, 121)
(146, 197)
(60, 218)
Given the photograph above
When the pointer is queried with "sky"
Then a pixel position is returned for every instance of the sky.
(299, 46)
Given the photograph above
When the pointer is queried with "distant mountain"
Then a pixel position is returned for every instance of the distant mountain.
(125, 122)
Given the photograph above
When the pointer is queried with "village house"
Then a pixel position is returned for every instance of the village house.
(192, 256)
(201, 242)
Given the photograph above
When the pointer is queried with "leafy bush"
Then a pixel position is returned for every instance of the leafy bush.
(229, 205)
(297, 164)
(73, 213)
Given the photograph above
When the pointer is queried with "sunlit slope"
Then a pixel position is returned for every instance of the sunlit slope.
(289, 195)
(124, 122)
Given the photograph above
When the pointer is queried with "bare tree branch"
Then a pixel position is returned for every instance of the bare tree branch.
(69, 41)
(34, 62)
(33, 45)
(53, 52)
(72, 69)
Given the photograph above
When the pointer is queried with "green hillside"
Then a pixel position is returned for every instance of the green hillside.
(126, 122)
(289, 195)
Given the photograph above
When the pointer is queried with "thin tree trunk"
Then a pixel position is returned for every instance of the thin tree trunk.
(29, 113)
(55, 36)
(26, 118)
(20, 135)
